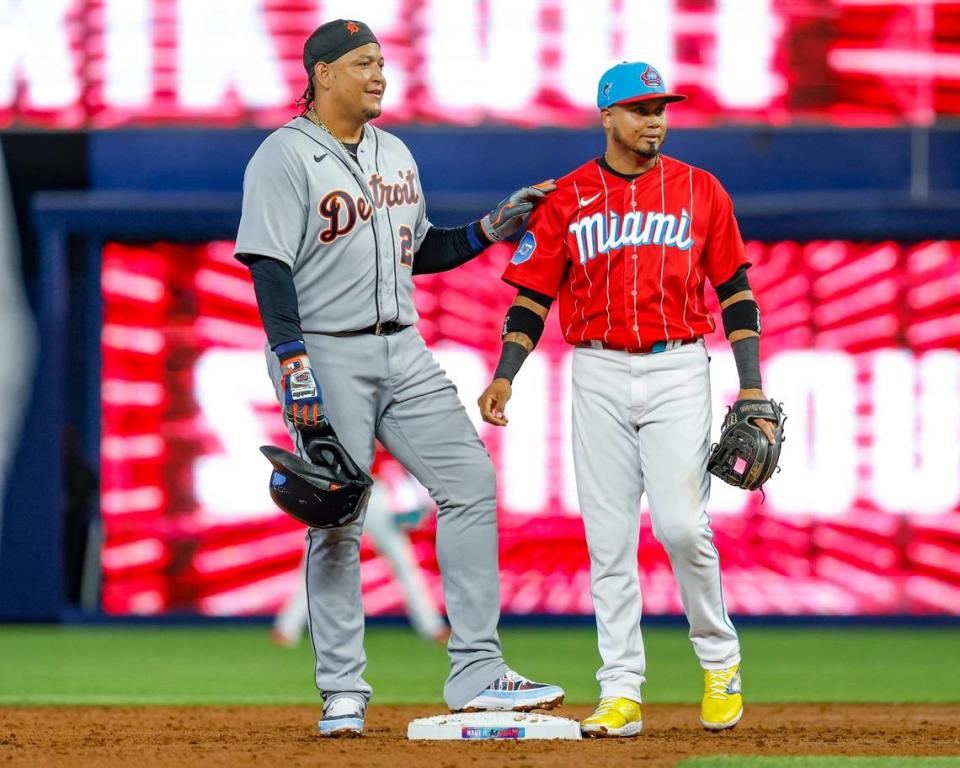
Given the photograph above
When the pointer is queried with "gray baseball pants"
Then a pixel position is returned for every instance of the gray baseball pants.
(391, 388)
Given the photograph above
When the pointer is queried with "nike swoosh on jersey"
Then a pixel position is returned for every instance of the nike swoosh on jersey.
(318, 158)
(587, 200)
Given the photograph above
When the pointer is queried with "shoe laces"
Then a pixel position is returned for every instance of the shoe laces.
(718, 681)
(343, 705)
(605, 705)
(509, 681)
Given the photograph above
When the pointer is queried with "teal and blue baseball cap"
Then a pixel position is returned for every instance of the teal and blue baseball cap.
(631, 81)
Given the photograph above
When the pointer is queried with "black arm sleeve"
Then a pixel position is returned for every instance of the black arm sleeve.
(511, 358)
(735, 284)
(276, 298)
(443, 249)
(541, 298)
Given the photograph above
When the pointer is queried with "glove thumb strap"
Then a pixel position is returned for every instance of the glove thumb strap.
(489, 231)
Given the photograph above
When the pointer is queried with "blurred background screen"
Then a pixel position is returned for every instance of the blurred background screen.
(102, 63)
(865, 517)
(126, 125)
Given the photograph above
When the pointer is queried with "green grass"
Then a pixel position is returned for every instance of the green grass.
(109, 665)
(740, 761)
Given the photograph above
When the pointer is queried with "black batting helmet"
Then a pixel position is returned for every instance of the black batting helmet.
(330, 492)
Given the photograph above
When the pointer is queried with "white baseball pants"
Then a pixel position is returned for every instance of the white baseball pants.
(641, 423)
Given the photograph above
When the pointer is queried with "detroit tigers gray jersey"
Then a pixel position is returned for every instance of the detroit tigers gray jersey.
(347, 229)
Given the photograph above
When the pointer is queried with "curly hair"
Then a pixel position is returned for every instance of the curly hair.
(306, 98)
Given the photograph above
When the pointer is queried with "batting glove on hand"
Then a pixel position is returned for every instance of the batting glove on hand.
(511, 212)
(300, 394)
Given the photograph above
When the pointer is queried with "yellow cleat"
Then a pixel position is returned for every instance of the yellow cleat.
(722, 705)
(613, 717)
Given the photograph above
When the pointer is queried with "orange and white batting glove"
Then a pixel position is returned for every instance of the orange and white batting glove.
(301, 396)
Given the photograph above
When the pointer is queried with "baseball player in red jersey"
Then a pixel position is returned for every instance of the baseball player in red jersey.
(627, 242)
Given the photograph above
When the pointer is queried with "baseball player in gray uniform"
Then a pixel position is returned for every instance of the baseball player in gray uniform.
(333, 229)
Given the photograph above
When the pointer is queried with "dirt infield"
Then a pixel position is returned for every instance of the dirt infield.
(285, 736)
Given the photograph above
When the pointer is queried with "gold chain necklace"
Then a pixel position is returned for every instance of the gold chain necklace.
(314, 118)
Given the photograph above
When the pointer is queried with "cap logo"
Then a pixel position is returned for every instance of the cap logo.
(352, 27)
(651, 78)
(606, 89)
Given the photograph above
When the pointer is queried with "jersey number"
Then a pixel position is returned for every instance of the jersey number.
(406, 245)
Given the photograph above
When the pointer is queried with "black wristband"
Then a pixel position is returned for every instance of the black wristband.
(746, 353)
(743, 315)
(523, 320)
(511, 358)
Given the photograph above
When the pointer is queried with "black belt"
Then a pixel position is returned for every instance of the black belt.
(377, 329)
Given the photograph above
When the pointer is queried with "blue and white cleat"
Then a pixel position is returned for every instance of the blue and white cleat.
(342, 718)
(514, 693)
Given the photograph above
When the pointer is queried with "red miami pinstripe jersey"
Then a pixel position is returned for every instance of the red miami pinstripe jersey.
(629, 258)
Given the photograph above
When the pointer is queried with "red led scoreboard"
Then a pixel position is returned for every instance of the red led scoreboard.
(861, 341)
(100, 63)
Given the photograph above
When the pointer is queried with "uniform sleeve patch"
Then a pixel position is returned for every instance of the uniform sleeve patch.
(528, 244)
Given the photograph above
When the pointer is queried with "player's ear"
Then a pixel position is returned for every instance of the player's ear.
(323, 74)
(605, 117)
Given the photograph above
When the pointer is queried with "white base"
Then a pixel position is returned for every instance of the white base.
(475, 726)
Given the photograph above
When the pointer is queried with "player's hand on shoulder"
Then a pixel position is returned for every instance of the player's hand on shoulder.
(511, 212)
(301, 396)
(493, 401)
(767, 427)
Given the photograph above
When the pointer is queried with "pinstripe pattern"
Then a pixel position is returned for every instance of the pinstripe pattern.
(606, 210)
(686, 280)
(663, 250)
(622, 234)
(586, 273)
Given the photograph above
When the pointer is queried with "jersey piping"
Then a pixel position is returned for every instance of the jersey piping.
(636, 324)
(393, 244)
(369, 196)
